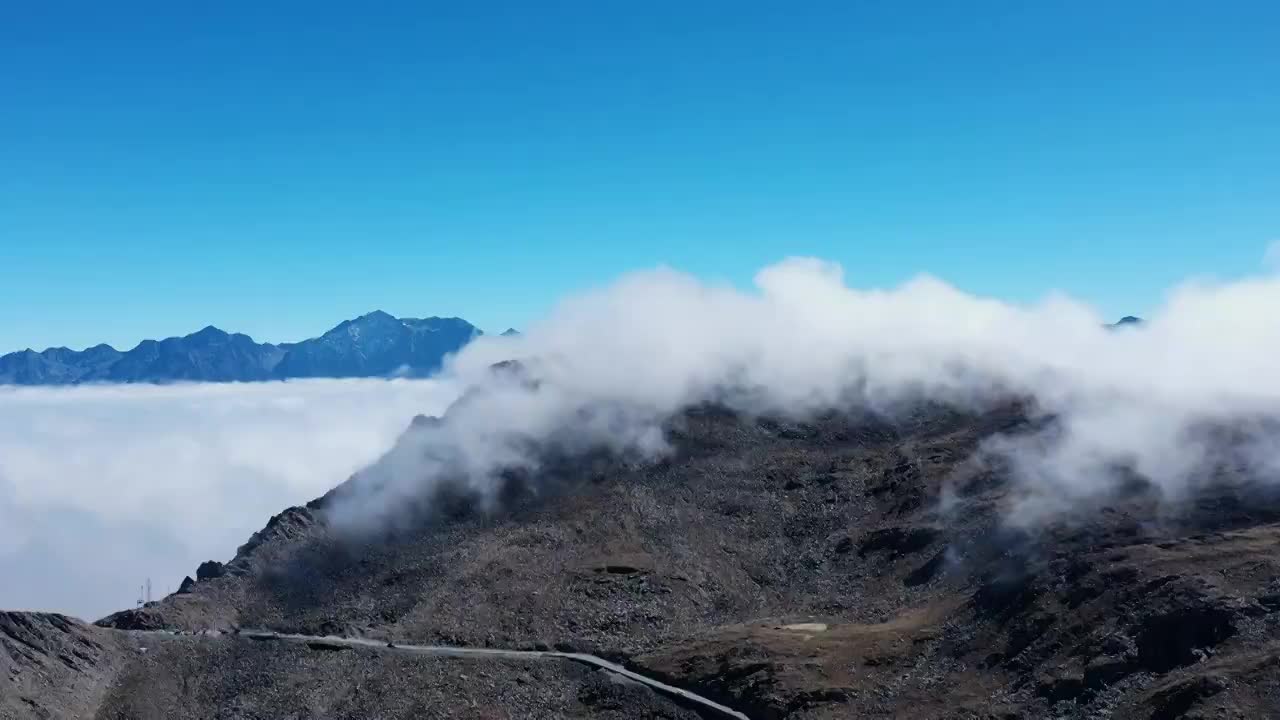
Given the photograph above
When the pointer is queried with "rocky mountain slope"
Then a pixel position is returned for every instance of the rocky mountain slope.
(372, 345)
(806, 570)
(846, 566)
(377, 344)
(58, 667)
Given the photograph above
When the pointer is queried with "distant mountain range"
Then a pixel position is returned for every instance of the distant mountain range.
(373, 345)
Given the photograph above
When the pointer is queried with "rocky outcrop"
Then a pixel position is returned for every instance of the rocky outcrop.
(209, 570)
(53, 666)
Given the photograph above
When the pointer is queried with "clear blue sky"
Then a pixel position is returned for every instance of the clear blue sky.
(274, 170)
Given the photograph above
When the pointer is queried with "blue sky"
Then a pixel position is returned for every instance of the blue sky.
(275, 170)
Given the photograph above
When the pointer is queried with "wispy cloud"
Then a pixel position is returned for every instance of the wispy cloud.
(612, 364)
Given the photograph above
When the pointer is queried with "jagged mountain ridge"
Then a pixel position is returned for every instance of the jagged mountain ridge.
(372, 345)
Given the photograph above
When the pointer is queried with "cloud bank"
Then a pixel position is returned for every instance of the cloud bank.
(613, 363)
(102, 487)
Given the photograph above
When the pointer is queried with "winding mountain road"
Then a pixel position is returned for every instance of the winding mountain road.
(331, 641)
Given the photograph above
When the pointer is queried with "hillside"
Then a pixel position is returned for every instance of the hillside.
(372, 345)
(803, 570)
(58, 667)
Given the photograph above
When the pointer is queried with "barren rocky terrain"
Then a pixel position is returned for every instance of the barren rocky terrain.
(61, 668)
(785, 569)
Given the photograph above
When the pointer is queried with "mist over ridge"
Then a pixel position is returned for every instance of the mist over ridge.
(607, 368)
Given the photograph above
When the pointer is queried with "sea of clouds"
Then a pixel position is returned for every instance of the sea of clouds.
(102, 487)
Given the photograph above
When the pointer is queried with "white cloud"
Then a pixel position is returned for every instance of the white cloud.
(634, 352)
(104, 486)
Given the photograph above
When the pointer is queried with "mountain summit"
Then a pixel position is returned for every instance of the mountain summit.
(377, 344)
